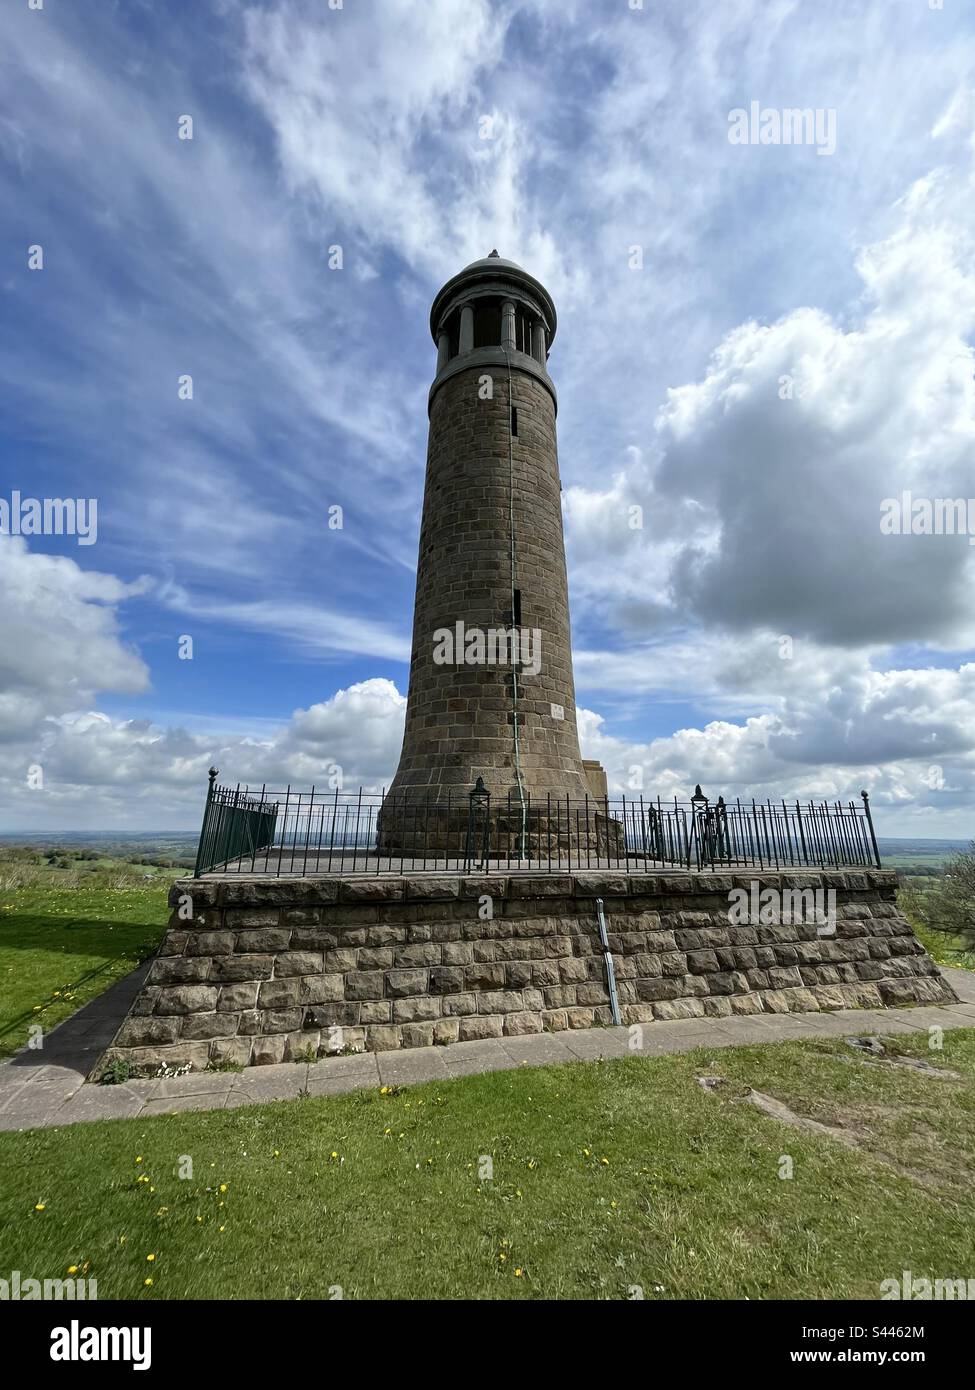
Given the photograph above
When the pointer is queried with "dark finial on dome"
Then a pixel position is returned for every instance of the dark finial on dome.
(493, 253)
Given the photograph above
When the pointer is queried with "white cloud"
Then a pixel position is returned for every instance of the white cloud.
(61, 639)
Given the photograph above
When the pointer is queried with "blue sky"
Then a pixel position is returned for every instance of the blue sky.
(418, 137)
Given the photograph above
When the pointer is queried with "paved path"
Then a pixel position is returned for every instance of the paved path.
(47, 1088)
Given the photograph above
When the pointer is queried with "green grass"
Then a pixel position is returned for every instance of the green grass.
(606, 1176)
(61, 946)
(944, 948)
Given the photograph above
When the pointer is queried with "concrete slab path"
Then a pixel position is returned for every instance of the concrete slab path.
(47, 1087)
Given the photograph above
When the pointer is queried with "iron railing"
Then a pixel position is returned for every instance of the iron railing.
(299, 833)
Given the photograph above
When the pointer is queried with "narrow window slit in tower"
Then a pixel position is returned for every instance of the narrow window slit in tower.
(516, 609)
(514, 422)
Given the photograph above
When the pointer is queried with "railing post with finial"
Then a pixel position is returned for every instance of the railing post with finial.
(873, 837)
(212, 774)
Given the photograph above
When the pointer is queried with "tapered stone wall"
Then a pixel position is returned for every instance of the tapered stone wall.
(459, 719)
(491, 558)
(266, 971)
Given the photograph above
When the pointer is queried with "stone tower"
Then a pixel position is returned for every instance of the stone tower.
(491, 558)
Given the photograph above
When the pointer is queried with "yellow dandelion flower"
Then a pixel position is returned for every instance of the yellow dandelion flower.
(223, 1187)
(605, 1160)
(223, 1228)
(519, 1273)
(586, 1152)
(40, 1206)
(150, 1258)
(72, 1269)
(147, 1283)
(199, 1218)
(334, 1154)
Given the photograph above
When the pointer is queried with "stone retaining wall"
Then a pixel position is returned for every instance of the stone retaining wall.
(271, 970)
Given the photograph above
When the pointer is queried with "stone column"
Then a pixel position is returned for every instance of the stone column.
(538, 341)
(443, 351)
(508, 326)
(466, 329)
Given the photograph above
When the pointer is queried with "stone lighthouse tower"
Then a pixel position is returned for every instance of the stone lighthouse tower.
(492, 560)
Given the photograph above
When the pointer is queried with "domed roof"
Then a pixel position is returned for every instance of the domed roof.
(492, 261)
(486, 268)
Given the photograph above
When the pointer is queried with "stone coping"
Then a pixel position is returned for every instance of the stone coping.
(263, 890)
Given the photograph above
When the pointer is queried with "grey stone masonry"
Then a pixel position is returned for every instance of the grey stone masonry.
(491, 558)
(258, 971)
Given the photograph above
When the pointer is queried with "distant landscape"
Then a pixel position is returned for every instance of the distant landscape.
(157, 853)
(103, 860)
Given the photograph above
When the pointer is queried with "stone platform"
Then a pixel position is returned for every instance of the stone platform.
(259, 971)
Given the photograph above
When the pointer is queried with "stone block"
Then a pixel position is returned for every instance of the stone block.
(233, 998)
(650, 991)
(572, 970)
(374, 958)
(263, 939)
(667, 1009)
(143, 1032)
(375, 1011)
(240, 918)
(446, 980)
(446, 1030)
(518, 1024)
(700, 962)
(365, 984)
(298, 963)
(500, 1001)
(456, 1004)
(322, 939)
(580, 1018)
(210, 943)
(205, 1027)
(235, 1051)
(476, 1026)
(279, 994)
(321, 989)
(230, 969)
(417, 1009)
(745, 1003)
(186, 999)
(267, 1051)
(302, 1045)
(484, 976)
(418, 954)
(406, 982)
(281, 1020)
(458, 953)
(173, 970)
(383, 1038)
